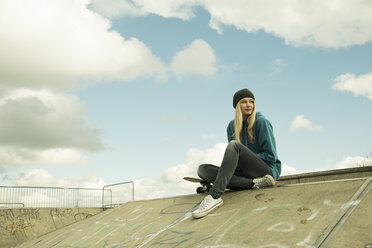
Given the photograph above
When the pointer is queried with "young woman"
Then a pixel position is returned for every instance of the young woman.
(250, 159)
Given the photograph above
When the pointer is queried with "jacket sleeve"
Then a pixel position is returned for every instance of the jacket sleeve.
(230, 131)
(266, 140)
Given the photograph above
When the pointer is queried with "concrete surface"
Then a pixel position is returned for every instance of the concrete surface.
(19, 225)
(357, 172)
(324, 214)
(357, 229)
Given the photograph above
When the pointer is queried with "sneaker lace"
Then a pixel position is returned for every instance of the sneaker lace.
(204, 204)
(260, 182)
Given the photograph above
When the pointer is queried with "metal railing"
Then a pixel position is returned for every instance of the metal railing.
(117, 194)
(12, 205)
(58, 197)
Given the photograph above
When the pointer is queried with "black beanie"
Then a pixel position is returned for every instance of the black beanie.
(240, 94)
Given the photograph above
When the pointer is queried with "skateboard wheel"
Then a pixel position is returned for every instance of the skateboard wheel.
(200, 190)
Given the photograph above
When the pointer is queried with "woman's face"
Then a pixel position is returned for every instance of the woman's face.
(246, 106)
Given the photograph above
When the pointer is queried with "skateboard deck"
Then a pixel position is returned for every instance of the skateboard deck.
(205, 186)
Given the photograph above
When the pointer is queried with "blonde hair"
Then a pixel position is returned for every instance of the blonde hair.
(238, 123)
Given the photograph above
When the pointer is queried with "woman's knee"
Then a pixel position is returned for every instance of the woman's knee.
(203, 170)
(208, 171)
(233, 145)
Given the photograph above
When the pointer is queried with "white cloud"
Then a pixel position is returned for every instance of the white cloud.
(327, 24)
(195, 157)
(183, 9)
(116, 8)
(170, 183)
(42, 178)
(349, 162)
(359, 85)
(36, 177)
(53, 156)
(4, 173)
(288, 170)
(198, 58)
(49, 46)
(277, 65)
(307, 23)
(300, 122)
(53, 44)
(57, 197)
(43, 127)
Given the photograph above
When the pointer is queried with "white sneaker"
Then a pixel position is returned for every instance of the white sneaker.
(206, 206)
(262, 182)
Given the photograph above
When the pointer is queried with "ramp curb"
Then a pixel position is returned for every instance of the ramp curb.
(346, 211)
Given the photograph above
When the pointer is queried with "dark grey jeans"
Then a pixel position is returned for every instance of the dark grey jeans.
(238, 169)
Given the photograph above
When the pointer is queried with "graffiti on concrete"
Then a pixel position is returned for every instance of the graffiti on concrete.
(62, 216)
(82, 216)
(19, 225)
(61, 212)
(140, 227)
(18, 221)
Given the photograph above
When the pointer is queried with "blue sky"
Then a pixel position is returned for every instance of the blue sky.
(95, 93)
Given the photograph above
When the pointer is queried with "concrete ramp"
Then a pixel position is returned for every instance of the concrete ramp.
(323, 214)
(20, 225)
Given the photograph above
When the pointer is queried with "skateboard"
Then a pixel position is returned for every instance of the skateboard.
(205, 186)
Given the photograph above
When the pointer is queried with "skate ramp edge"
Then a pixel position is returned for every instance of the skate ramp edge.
(317, 214)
